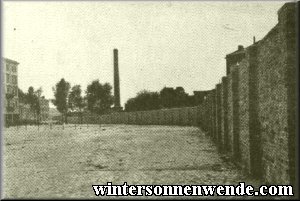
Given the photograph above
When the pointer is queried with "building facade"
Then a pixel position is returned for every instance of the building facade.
(10, 89)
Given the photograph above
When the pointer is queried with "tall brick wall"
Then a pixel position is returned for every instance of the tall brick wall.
(235, 114)
(276, 84)
(243, 96)
(218, 115)
(254, 125)
(288, 25)
(225, 114)
(230, 115)
(272, 94)
(221, 117)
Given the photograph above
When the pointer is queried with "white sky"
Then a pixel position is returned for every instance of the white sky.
(160, 43)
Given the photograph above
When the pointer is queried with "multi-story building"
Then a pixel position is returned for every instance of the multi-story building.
(10, 88)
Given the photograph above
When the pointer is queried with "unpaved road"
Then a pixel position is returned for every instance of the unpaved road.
(57, 163)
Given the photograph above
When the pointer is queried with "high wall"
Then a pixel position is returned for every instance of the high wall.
(276, 95)
(251, 114)
(255, 118)
(187, 116)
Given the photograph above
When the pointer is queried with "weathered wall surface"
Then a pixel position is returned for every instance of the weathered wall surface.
(243, 96)
(273, 92)
(251, 114)
(224, 100)
(219, 115)
(187, 116)
(230, 116)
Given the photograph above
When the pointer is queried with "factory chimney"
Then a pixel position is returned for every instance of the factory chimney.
(117, 105)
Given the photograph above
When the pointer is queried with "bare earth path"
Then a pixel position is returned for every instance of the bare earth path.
(57, 163)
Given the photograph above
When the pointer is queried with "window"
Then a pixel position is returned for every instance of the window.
(7, 67)
(14, 68)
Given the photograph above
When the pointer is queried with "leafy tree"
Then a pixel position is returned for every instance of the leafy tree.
(99, 97)
(30, 96)
(33, 99)
(22, 96)
(36, 103)
(75, 99)
(181, 98)
(145, 100)
(168, 97)
(174, 97)
(61, 92)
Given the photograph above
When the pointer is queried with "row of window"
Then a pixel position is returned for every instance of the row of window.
(12, 79)
(11, 68)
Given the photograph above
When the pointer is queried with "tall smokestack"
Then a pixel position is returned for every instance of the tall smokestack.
(117, 104)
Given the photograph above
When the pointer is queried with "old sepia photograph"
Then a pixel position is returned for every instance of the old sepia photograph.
(149, 99)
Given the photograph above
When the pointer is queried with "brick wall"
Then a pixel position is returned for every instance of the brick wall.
(225, 114)
(218, 116)
(187, 116)
(235, 115)
(243, 96)
(275, 86)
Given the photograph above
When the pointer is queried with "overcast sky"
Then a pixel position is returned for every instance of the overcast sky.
(160, 43)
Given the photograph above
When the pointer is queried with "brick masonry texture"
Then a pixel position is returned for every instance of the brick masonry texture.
(251, 113)
(225, 114)
(244, 139)
(235, 114)
(218, 115)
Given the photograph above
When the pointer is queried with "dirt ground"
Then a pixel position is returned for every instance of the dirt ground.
(65, 163)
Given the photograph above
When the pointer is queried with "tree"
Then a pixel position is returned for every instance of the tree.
(22, 96)
(144, 100)
(37, 103)
(33, 99)
(61, 92)
(75, 99)
(30, 96)
(181, 98)
(168, 97)
(99, 97)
